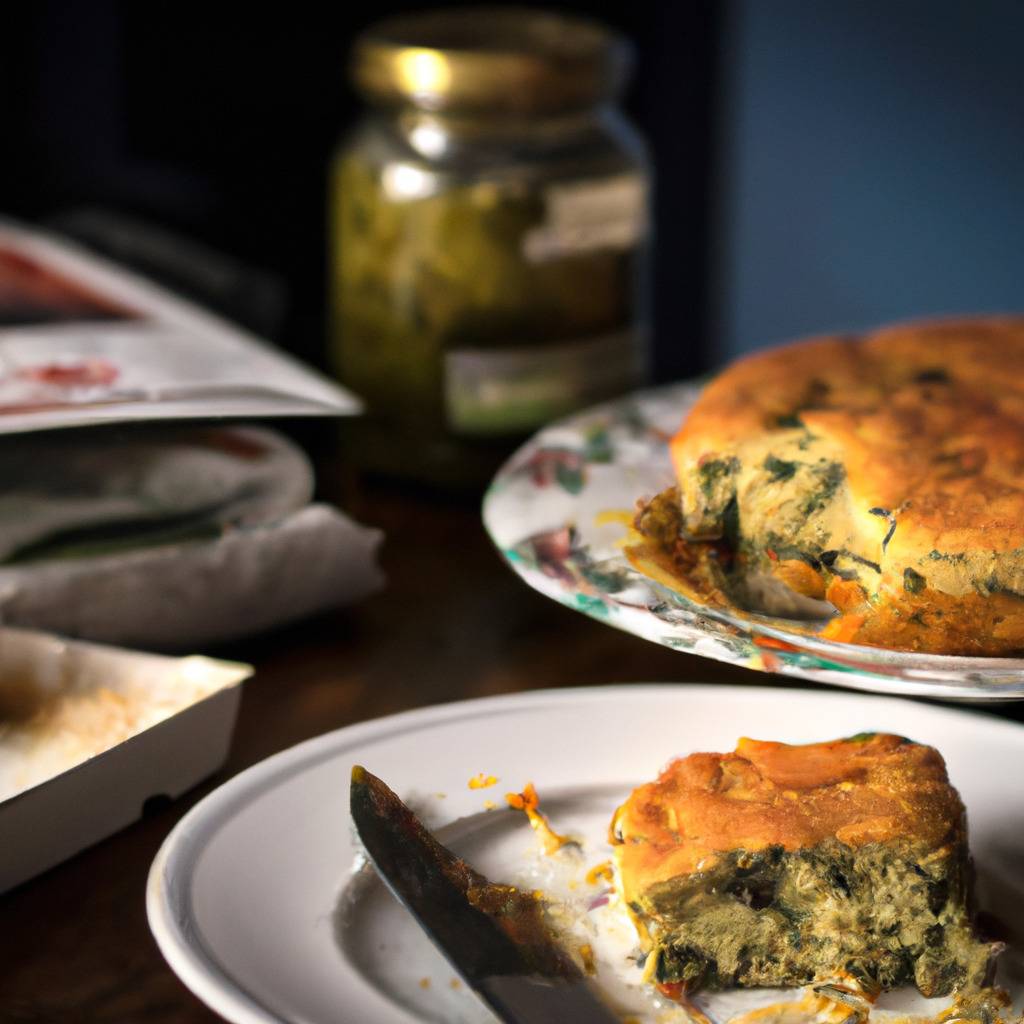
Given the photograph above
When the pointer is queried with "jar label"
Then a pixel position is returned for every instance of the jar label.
(491, 392)
(584, 216)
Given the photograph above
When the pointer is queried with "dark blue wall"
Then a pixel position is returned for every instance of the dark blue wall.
(872, 165)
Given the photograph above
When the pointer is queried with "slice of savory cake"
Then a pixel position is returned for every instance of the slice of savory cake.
(782, 865)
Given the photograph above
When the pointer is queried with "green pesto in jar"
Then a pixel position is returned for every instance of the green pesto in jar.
(488, 241)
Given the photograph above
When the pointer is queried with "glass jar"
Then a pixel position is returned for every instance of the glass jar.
(489, 230)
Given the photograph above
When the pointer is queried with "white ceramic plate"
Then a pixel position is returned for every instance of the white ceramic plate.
(255, 904)
(547, 512)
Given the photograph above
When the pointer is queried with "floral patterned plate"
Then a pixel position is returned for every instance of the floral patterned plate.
(556, 511)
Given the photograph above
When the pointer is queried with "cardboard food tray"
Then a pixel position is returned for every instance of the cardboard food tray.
(89, 733)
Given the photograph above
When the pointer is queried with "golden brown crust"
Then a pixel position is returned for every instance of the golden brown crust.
(876, 788)
(925, 425)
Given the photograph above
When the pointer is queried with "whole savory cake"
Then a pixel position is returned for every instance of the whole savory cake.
(782, 865)
(881, 474)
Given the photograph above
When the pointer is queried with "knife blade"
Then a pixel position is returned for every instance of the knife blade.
(494, 936)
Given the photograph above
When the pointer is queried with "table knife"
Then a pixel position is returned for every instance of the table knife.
(494, 936)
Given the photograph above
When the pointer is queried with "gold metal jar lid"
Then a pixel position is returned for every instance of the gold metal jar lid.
(512, 60)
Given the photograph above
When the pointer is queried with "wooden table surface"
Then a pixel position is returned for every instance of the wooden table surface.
(453, 623)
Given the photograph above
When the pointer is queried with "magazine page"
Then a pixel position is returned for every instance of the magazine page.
(83, 341)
